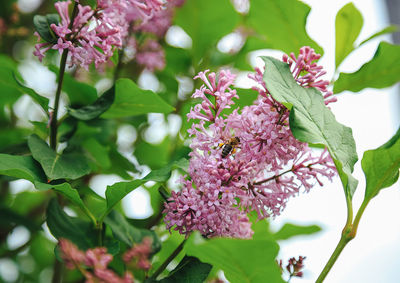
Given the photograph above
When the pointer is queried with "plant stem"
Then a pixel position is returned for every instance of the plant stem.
(349, 233)
(340, 246)
(358, 216)
(168, 260)
(53, 119)
(57, 271)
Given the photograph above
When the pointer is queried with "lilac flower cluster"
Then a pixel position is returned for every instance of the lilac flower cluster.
(294, 267)
(94, 34)
(149, 52)
(270, 165)
(304, 64)
(93, 263)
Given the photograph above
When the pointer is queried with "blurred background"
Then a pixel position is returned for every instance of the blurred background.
(373, 115)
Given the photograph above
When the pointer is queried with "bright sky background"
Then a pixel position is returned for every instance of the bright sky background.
(373, 256)
(374, 116)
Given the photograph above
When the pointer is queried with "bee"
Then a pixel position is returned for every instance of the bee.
(229, 146)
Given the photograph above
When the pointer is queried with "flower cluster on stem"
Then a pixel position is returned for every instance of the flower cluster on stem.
(94, 34)
(93, 263)
(269, 167)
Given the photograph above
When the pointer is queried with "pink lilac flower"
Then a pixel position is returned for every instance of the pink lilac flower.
(95, 34)
(70, 253)
(93, 264)
(151, 55)
(305, 63)
(269, 167)
(139, 254)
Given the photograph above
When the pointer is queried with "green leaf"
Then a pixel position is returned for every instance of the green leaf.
(154, 155)
(178, 59)
(190, 269)
(67, 191)
(120, 165)
(42, 26)
(163, 174)
(281, 24)
(129, 234)
(79, 93)
(119, 190)
(24, 167)
(25, 202)
(12, 87)
(241, 260)
(56, 166)
(42, 250)
(10, 219)
(348, 25)
(206, 22)
(381, 166)
(382, 71)
(386, 30)
(41, 100)
(61, 225)
(98, 152)
(130, 100)
(311, 121)
(90, 112)
(290, 230)
(169, 245)
(246, 97)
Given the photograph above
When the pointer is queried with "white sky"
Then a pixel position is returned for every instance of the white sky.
(374, 116)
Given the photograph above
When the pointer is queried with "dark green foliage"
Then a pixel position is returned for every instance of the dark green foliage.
(57, 166)
(95, 109)
(190, 269)
(61, 225)
(42, 26)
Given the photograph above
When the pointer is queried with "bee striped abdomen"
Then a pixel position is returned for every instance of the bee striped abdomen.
(226, 149)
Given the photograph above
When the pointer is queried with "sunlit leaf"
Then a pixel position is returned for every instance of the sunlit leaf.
(348, 25)
(154, 155)
(206, 22)
(241, 260)
(118, 191)
(281, 24)
(382, 71)
(311, 121)
(290, 230)
(386, 30)
(381, 166)
(130, 100)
